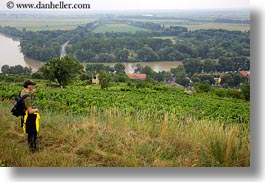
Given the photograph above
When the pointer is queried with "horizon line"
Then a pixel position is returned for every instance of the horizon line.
(100, 10)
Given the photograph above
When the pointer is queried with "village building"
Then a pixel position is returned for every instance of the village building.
(137, 76)
(217, 81)
(245, 74)
(95, 79)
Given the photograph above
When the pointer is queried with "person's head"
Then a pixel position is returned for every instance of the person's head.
(29, 84)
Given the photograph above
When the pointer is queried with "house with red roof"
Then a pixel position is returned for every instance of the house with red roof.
(245, 74)
(136, 76)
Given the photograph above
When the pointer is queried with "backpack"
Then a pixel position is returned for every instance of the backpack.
(18, 108)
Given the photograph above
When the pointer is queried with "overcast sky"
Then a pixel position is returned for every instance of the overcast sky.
(168, 4)
(146, 4)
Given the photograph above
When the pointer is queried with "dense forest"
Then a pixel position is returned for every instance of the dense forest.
(155, 45)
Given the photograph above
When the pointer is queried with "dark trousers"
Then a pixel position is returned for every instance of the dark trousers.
(32, 138)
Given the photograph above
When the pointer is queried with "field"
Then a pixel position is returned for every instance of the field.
(196, 25)
(191, 26)
(226, 26)
(68, 23)
(38, 24)
(128, 126)
(117, 28)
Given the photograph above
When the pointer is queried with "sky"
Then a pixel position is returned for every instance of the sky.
(169, 4)
(146, 4)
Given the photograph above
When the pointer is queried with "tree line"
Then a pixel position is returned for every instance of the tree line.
(87, 46)
(16, 70)
(66, 70)
(212, 44)
(223, 64)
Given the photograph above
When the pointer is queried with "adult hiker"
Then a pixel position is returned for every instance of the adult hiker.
(31, 117)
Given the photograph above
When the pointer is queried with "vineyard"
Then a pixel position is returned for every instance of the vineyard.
(154, 101)
(129, 126)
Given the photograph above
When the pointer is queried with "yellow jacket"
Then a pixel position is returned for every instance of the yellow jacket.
(37, 121)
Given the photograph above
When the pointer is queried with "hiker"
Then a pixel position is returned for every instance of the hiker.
(29, 125)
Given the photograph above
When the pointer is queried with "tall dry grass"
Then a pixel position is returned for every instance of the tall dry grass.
(113, 138)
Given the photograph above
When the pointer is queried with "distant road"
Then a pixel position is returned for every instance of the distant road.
(63, 53)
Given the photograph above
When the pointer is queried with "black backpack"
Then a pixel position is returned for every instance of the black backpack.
(19, 108)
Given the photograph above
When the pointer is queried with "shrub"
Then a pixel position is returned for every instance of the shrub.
(200, 87)
(246, 91)
(220, 92)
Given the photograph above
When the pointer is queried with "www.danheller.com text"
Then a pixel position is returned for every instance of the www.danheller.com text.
(50, 5)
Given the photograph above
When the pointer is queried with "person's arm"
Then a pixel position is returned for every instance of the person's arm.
(31, 111)
(27, 103)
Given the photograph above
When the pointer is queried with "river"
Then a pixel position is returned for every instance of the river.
(156, 66)
(11, 55)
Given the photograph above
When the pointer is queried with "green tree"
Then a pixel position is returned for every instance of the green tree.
(195, 78)
(5, 69)
(38, 75)
(180, 74)
(148, 71)
(119, 68)
(105, 57)
(97, 68)
(63, 70)
(239, 79)
(184, 81)
(207, 79)
(27, 70)
(228, 80)
(147, 54)
(209, 65)
(104, 79)
(193, 66)
(167, 54)
(122, 55)
(138, 68)
(17, 69)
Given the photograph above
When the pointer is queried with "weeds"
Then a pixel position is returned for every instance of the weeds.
(111, 137)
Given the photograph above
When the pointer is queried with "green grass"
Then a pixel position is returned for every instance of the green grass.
(113, 138)
(38, 24)
(117, 28)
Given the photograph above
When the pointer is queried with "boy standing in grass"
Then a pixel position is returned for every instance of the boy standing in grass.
(31, 114)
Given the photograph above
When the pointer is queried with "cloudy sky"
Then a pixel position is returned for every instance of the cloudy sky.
(168, 4)
(146, 4)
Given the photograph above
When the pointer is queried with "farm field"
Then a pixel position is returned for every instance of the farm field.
(117, 28)
(39, 24)
(128, 126)
(226, 26)
(155, 100)
(191, 25)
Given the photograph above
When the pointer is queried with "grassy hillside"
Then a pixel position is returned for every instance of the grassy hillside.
(113, 139)
(86, 126)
